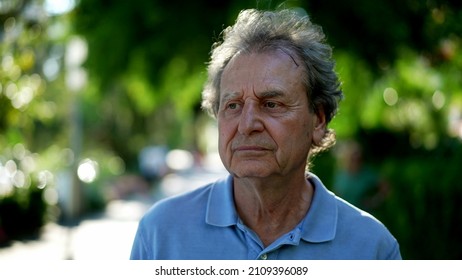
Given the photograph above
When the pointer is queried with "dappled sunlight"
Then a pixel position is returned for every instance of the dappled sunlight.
(455, 121)
(57, 7)
(88, 170)
(390, 96)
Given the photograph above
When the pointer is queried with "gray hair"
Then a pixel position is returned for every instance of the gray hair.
(287, 30)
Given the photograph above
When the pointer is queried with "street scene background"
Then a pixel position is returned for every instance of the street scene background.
(100, 117)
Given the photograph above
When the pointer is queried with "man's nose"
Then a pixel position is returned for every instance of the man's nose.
(250, 120)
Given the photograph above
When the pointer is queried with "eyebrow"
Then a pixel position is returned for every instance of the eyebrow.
(229, 96)
(270, 94)
(262, 95)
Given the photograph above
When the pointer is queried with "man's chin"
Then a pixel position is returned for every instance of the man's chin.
(250, 173)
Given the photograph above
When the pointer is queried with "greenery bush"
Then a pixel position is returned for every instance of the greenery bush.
(23, 206)
(22, 214)
(423, 210)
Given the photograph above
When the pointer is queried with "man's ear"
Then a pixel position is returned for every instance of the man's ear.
(319, 126)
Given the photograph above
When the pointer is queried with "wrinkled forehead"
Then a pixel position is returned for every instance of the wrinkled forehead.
(262, 75)
(257, 60)
(264, 66)
(274, 47)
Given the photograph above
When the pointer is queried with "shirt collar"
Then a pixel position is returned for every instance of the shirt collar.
(319, 224)
(221, 211)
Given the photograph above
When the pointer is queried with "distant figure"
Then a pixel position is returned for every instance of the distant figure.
(357, 182)
(152, 162)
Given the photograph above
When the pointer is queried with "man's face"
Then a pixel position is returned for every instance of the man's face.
(265, 126)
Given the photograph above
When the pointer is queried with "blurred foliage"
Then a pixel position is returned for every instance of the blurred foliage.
(27, 194)
(423, 210)
(377, 31)
(400, 63)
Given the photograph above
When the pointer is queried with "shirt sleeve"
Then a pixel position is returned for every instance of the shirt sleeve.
(139, 249)
(395, 253)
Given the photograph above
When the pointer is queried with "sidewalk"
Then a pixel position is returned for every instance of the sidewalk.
(106, 236)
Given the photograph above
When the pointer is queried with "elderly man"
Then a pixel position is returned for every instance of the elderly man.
(272, 87)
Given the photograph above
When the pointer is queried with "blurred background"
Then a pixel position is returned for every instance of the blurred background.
(100, 117)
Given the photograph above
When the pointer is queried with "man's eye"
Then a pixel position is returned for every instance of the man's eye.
(232, 106)
(271, 105)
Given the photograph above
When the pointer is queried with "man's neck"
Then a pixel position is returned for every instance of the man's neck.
(273, 207)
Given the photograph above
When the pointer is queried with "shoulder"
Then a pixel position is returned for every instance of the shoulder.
(352, 229)
(360, 227)
(178, 206)
(348, 213)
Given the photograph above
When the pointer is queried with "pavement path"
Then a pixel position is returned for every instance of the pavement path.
(106, 236)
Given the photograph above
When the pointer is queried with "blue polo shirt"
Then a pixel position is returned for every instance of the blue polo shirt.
(204, 224)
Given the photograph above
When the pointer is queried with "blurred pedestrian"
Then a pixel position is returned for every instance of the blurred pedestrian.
(273, 89)
(356, 181)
